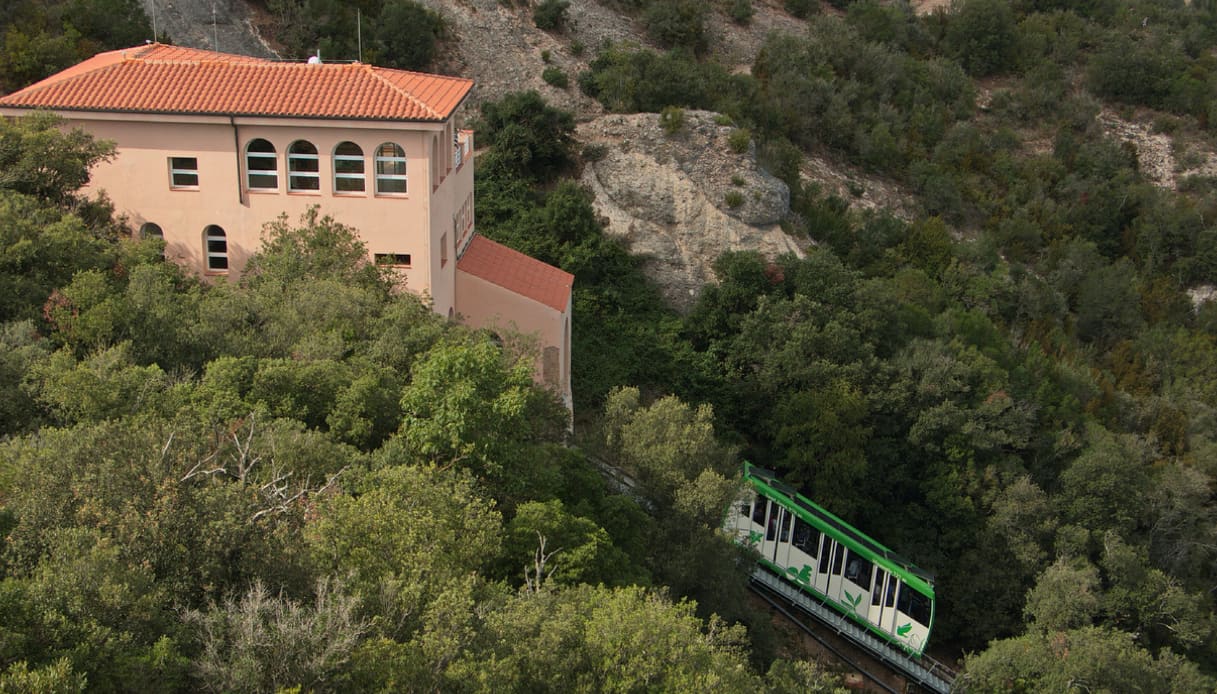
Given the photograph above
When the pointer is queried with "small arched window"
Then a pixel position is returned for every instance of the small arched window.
(303, 167)
(348, 168)
(261, 165)
(215, 246)
(149, 230)
(390, 169)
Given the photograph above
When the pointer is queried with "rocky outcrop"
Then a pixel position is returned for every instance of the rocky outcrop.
(683, 199)
(223, 25)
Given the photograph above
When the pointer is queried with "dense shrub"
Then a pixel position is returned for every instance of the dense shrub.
(555, 77)
(677, 24)
(550, 15)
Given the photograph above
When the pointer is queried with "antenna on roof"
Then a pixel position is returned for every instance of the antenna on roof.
(215, 35)
(154, 39)
(359, 31)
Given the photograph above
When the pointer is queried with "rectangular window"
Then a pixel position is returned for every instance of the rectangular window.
(784, 534)
(806, 537)
(394, 259)
(758, 511)
(824, 556)
(183, 172)
(443, 250)
(858, 570)
(348, 173)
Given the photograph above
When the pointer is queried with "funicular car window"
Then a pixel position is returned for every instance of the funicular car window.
(858, 570)
(758, 511)
(914, 604)
(806, 537)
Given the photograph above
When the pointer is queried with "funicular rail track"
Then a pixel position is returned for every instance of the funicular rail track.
(777, 604)
(925, 672)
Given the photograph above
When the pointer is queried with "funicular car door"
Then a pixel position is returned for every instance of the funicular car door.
(880, 615)
(835, 567)
(769, 539)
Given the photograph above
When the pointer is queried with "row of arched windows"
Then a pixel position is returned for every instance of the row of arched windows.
(304, 167)
(215, 244)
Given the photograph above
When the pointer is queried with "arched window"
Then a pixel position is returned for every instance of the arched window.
(348, 168)
(261, 165)
(390, 169)
(215, 245)
(303, 166)
(149, 230)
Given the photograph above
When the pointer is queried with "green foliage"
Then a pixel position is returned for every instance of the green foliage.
(56, 678)
(677, 24)
(740, 11)
(41, 37)
(530, 139)
(801, 8)
(835, 88)
(672, 119)
(408, 534)
(623, 639)
(627, 81)
(555, 77)
(559, 547)
(550, 15)
(40, 160)
(733, 199)
(403, 34)
(406, 35)
(1103, 658)
(983, 36)
(739, 140)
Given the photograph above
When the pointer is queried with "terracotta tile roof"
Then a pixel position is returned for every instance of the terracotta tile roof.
(517, 272)
(168, 79)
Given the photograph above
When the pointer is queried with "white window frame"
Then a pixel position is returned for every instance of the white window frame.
(391, 178)
(176, 170)
(209, 235)
(251, 172)
(296, 175)
(339, 175)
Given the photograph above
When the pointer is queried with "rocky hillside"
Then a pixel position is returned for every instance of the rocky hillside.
(683, 198)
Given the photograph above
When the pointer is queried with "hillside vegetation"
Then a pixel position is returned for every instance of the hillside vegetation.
(1010, 383)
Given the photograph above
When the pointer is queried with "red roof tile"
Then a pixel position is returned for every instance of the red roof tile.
(169, 79)
(517, 272)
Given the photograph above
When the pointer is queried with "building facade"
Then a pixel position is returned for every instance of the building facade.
(211, 146)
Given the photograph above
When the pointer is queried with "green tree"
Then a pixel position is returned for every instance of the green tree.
(406, 35)
(530, 139)
(408, 534)
(1098, 658)
(37, 158)
(983, 36)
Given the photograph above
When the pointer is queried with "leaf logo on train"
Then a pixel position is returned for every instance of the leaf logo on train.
(904, 629)
(852, 599)
(754, 538)
(802, 576)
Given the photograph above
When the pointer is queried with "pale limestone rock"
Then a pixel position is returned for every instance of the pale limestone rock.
(667, 197)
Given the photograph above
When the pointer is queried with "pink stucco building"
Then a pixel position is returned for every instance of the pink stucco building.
(211, 146)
